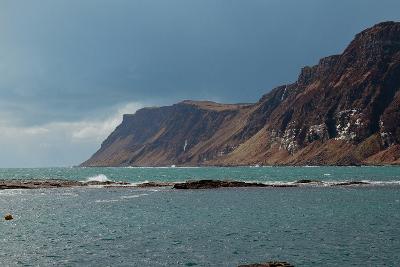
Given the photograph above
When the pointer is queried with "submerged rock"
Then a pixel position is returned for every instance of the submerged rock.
(269, 264)
(8, 217)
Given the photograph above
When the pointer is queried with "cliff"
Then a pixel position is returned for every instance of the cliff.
(342, 111)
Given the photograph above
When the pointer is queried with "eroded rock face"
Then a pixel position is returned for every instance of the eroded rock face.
(345, 110)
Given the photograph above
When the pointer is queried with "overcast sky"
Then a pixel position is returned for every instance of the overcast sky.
(69, 69)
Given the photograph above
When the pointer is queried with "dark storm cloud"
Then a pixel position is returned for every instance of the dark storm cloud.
(68, 58)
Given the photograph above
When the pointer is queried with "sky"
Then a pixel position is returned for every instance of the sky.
(69, 69)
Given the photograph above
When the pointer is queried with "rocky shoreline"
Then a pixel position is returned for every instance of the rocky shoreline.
(37, 184)
(194, 184)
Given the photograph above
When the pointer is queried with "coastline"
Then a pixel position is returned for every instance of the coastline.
(394, 164)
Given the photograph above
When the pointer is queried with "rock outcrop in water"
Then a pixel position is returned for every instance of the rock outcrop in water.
(269, 264)
(191, 184)
(210, 184)
(8, 217)
(343, 111)
(36, 184)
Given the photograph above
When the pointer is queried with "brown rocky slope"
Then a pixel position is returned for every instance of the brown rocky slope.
(343, 111)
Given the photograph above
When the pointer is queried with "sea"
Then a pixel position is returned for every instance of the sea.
(314, 225)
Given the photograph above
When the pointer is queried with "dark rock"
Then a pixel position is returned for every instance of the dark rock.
(155, 184)
(282, 185)
(209, 184)
(106, 183)
(351, 183)
(36, 184)
(8, 217)
(269, 264)
(307, 181)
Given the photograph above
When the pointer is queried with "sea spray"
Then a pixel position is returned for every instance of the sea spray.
(97, 178)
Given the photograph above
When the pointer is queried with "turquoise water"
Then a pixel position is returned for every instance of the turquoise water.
(262, 174)
(310, 226)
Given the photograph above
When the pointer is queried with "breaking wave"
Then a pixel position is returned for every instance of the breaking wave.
(97, 178)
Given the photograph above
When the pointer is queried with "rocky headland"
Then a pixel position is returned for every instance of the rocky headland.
(343, 111)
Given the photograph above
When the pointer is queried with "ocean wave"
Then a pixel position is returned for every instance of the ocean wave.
(133, 196)
(97, 178)
(121, 198)
(392, 182)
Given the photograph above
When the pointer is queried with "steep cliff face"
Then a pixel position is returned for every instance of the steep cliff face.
(187, 132)
(345, 110)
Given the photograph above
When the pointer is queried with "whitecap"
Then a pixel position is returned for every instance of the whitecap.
(133, 196)
(392, 182)
(97, 178)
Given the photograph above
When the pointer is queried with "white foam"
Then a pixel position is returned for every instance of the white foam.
(254, 166)
(133, 196)
(392, 182)
(121, 198)
(98, 178)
